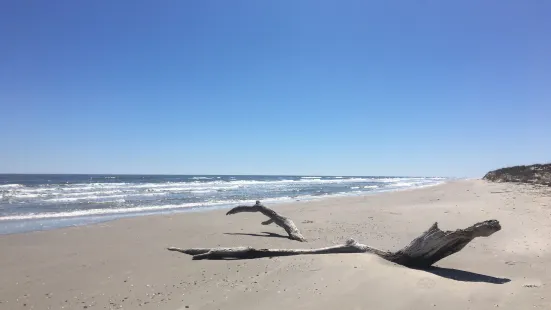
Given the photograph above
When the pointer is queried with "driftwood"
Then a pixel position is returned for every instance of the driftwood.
(425, 250)
(275, 217)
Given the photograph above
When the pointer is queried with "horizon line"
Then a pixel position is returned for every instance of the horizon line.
(198, 174)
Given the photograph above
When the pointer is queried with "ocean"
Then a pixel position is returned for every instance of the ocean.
(41, 202)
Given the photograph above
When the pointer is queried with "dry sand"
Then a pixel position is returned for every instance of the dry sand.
(124, 264)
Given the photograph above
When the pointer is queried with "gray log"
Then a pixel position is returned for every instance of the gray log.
(425, 250)
(278, 219)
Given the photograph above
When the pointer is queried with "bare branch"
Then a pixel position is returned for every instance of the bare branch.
(278, 219)
(425, 250)
(351, 246)
(268, 222)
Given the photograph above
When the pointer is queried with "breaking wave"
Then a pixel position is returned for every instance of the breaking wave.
(38, 197)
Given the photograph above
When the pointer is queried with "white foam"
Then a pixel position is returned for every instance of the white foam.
(203, 191)
(158, 208)
(87, 189)
(406, 184)
(35, 190)
(24, 196)
(190, 188)
(8, 186)
(386, 180)
(63, 194)
(116, 193)
(88, 193)
(90, 212)
(93, 197)
(137, 209)
(148, 194)
(302, 181)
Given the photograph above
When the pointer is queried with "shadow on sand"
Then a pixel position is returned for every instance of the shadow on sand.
(465, 276)
(448, 273)
(265, 234)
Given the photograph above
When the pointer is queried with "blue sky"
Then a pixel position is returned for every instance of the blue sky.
(448, 88)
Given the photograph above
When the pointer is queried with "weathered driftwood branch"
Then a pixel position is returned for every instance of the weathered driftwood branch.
(425, 250)
(275, 217)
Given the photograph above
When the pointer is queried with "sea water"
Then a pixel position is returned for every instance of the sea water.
(39, 202)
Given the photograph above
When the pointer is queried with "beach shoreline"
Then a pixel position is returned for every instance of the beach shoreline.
(38, 221)
(124, 264)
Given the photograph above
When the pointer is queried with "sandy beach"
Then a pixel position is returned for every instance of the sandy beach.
(124, 264)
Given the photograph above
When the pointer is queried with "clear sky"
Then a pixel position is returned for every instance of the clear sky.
(447, 88)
